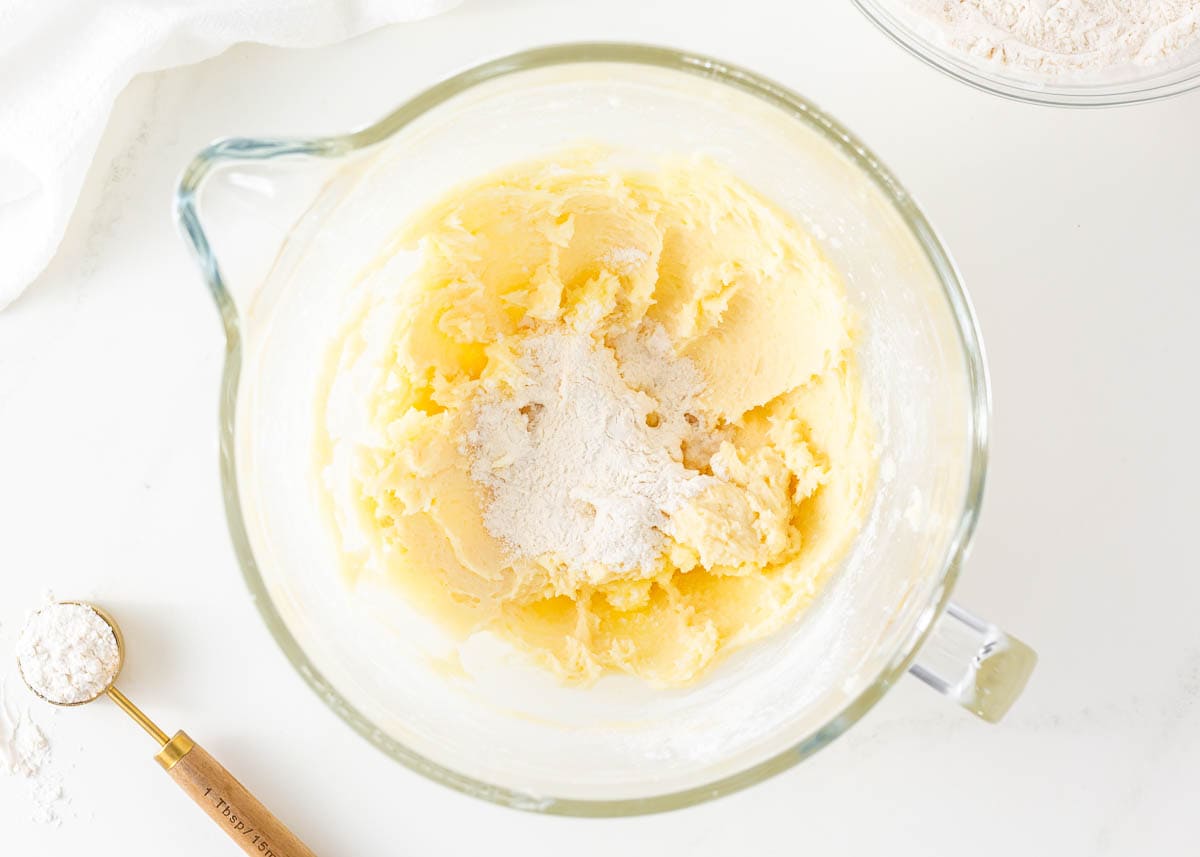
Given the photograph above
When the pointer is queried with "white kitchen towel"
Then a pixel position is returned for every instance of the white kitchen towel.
(63, 63)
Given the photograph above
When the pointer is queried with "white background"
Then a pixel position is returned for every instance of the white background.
(1077, 234)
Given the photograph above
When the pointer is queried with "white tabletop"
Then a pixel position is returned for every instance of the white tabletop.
(1077, 235)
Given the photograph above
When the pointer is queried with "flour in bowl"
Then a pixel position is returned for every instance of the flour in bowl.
(1067, 37)
(579, 459)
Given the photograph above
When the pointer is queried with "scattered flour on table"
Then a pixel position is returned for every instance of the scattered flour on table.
(1064, 37)
(25, 753)
(583, 458)
(23, 746)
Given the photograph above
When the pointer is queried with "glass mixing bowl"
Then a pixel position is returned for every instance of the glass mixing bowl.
(1129, 85)
(296, 221)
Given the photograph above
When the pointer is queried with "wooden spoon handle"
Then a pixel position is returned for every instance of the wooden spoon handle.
(228, 802)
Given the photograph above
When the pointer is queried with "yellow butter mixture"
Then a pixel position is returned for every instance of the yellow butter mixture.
(612, 416)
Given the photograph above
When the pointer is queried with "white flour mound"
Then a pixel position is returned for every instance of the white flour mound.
(68, 653)
(583, 459)
(1053, 38)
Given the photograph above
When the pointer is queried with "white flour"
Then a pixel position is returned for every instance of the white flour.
(25, 753)
(584, 464)
(68, 653)
(1063, 37)
(25, 750)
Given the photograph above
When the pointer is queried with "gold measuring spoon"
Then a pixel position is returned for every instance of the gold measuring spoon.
(226, 801)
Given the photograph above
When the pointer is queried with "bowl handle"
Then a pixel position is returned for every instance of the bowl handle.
(974, 663)
(264, 186)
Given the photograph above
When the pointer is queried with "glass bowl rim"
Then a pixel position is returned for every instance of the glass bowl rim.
(240, 149)
(1048, 94)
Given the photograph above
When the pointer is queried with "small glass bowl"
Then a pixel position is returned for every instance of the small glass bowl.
(1129, 86)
